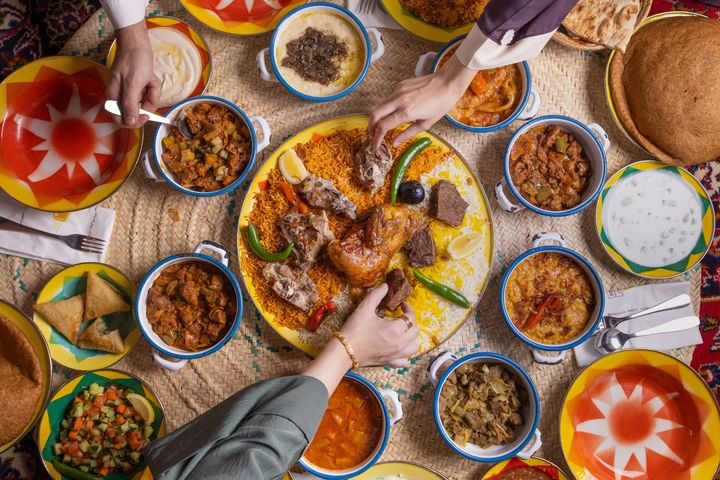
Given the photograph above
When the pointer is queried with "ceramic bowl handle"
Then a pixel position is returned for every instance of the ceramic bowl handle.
(147, 167)
(532, 107)
(532, 448)
(544, 359)
(264, 131)
(265, 74)
(437, 363)
(379, 44)
(173, 366)
(553, 237)
(213, 247)
(422, 63)
(392, 398)
(601, 136)
(503, 200)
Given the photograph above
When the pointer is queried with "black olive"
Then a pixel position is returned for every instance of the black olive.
(411, 192)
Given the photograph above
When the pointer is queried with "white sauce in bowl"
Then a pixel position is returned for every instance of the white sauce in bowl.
(653, 218)
(177, 64)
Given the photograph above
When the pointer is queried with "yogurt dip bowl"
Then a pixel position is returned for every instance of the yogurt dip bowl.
(333, 72)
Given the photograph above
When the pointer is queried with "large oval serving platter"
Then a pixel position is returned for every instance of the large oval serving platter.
(438, 319)
(240, 17)
(421, 28)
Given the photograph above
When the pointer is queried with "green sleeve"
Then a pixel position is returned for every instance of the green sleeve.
(257, 434)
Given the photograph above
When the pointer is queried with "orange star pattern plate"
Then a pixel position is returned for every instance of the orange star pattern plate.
(240, 17)
(640, 415)
(60, 151)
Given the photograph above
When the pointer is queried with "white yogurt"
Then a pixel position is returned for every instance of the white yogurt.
(177, 64)
(653, 218)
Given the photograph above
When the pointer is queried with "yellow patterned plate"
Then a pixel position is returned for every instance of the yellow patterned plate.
(395, 470)
(49, 429)
(32, 333)
(240, 17)
(438, 319)
(697, 247)
(421, 28)
(60, 151)
(640, 415)
(543, 466)
(71, 282)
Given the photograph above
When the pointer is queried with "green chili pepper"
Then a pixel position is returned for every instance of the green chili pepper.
(403, 163)
(73, 473)
(257, 247)
(443, 290)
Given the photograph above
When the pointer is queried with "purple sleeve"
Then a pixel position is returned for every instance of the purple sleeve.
(523, 18)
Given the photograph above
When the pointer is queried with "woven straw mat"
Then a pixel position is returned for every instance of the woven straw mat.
(147, 230)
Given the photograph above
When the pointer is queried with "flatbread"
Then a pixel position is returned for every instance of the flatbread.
(21, 380)
(101, 298)
(606, 22)
(96, 338)
(65, 315)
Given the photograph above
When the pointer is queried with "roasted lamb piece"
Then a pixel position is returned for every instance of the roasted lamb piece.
(446, 203)
(398, 289)
(321, 193)
(420, 249)
(373, 164)
(292, 285)
(309, 232)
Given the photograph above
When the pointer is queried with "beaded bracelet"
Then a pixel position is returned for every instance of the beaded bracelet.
(348, 349)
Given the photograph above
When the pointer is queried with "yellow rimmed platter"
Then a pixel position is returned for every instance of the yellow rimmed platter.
(404, 470)
(700, 245)
(438, 319)
(40, 347)
(240, 17)
(61, 400)
(70, 282)
(60, 151)
(421, 28)
(643, 415)
(549, 469)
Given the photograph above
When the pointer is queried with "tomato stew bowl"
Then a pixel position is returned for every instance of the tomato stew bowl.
(526, 109)
(528, 439)
(152, 161)
(388, 421)
(595, 143)
(539, 350)
(182, 356)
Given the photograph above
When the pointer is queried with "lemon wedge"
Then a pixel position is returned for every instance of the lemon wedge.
(292, 167)
(464, 244)
(142, 406)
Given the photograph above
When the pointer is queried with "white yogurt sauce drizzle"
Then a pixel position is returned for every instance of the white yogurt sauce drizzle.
(177, 64)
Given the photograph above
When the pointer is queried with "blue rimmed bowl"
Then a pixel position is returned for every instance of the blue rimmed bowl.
(381, 396)
(155, 168)
(179, 356)
(526, 109)
(296, 16)
(595, 143)
(541, 351)
(528, 439)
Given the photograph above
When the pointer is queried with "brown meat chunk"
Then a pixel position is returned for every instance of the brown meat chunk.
(373, 164)
(309, 232)
(420, 249)
(398, 289)
(446, 203)
(321, 193)
(292, 285)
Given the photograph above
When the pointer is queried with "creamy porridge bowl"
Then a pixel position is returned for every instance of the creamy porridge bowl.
(320, 52)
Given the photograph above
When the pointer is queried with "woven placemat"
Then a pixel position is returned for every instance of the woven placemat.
(147, 230)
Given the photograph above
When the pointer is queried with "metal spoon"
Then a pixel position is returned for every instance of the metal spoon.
(612, 339)
(678, 301)
(112, 107)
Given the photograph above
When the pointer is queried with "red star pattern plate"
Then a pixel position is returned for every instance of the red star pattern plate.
(240, 17)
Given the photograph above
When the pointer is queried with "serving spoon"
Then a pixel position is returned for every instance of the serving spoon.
(611, 340)
(112, 106)
(678, 301)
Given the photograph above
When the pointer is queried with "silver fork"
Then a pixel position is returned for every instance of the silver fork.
(367, 7)
(78, 242)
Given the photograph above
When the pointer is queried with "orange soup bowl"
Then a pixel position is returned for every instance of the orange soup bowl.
(356, 398)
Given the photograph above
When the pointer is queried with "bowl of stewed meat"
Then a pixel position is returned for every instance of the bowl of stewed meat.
(554, 165)
(189, 306)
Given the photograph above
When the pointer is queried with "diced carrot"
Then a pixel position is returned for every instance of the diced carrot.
(479, 85)
(316, 137)
(77, 425)
(120, 420)
(72, 435)
(89, 424)
(103, 471)
(263, 185)
(99, 401)
(77, 400)
(110, 433)
(111, 394)
(120, 408)
(293, 198)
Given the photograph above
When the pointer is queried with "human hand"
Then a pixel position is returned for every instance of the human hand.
(132, 81)
(421, 101)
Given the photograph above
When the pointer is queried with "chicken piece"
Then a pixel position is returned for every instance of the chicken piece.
(373, 164)
(321, 193)
(365, 253)
(309, 232)
(292, 285)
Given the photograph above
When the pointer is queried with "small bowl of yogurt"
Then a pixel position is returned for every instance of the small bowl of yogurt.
(320, 52)
(655, 220)
(181, 59)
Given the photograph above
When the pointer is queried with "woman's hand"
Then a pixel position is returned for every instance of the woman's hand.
(421, 101)
(132, 81)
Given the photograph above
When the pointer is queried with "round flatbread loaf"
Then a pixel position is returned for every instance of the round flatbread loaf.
(665, 89)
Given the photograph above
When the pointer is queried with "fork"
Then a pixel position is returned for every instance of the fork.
(367, 7)
(78, 242)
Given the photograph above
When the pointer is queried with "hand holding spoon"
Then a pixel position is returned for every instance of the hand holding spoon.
(112, 107)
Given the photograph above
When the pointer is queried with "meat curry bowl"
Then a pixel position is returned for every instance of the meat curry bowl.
(188, 306)
(495, 98)
(553, 165)
(217, 156)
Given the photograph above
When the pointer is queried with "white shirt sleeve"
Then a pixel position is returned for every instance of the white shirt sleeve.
(479, 52)
(123, 13)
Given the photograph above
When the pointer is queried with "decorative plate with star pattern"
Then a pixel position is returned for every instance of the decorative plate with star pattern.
(240, 17)
(640, 415)
(60, 151)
